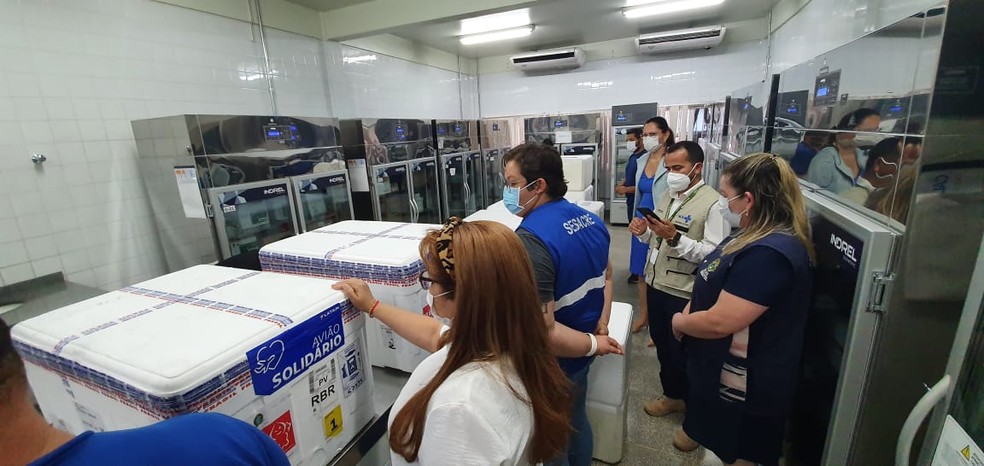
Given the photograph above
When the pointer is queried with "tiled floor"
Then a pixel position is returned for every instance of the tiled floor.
(649, 439)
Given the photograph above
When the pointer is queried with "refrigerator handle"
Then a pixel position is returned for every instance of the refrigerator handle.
(414, 213)
(924, 406)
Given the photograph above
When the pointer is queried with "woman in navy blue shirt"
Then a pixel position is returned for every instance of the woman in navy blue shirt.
(743, 329)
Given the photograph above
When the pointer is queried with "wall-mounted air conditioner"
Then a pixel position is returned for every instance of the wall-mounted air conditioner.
(548, 60)
(684, 39)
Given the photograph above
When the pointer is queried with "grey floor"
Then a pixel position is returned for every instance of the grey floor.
(649, 438)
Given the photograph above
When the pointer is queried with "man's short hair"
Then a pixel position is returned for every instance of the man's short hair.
(11, 366)
(539, 161)
(694, 153)
(637, 132)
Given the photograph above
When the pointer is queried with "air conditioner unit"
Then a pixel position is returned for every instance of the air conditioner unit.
(685, 39)
(549, 60)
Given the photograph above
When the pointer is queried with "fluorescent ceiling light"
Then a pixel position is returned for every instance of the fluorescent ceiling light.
(497, 35)
(630, 3)
(667, 7)
(359, 59)
(495, 22)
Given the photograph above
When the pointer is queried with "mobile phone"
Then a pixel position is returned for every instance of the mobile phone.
(648, 213)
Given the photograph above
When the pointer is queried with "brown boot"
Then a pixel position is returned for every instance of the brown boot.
(663, 406)
(683, 442)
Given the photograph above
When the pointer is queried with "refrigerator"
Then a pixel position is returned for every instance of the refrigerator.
(624, 118)
(496, 140)
(322, 199)
(461, 166)
(576, 134)
(220, 185)
(393, 168)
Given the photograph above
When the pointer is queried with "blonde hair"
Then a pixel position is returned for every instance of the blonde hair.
(490, 324)
(778, 203)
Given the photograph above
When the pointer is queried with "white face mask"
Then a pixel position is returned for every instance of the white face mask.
(430, 302)
(678, 182)
(651, 143)
(867, 140)
(630, 146)
(732, 218)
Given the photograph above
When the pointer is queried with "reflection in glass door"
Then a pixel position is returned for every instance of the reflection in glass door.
(493, 176)
(251, 215)
(453, 184)
(322, 199)
(392, 193)
(426, 194)
(474, 187)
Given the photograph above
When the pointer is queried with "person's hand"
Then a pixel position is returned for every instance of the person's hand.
(358, 292)
(620, 189)
(662, 228)
(602, 328)
(608, 345)
(675, 323)
(637, 226)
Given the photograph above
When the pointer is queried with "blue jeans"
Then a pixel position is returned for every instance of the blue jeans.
(580, 447)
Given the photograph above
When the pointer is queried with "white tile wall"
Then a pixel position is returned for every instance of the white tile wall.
(823, 25)
(686, 77)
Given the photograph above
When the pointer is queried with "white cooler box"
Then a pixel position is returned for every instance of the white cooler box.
(608, 391)
(280, 352)
(384, 254)
(496, 215)
(595, 207)
(578, 171)
(577, 196)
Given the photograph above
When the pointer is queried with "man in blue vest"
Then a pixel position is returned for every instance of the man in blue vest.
(568, 247)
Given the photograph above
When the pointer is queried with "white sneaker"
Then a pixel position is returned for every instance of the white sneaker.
(710, 459)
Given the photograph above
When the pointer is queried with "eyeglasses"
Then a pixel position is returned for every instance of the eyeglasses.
(425, 281)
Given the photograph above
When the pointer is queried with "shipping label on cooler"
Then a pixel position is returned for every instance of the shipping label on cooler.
(280, 360)
(323, 387)
(281, 431)
(353, 367)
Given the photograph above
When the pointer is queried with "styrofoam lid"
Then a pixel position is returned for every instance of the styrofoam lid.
(174, 348)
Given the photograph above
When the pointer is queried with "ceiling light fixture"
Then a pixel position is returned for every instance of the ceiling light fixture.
(668, 7)
(495, 22)
(631, 3)
(359, 59)
(504, 34)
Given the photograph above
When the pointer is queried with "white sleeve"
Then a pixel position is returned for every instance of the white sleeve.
(715, 231)
(456, 435)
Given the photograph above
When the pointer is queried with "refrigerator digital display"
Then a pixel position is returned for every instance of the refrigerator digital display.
(401, 132)
(495, 127)
(621, 117)
(560, 124)
(826, 89)
(457, 129)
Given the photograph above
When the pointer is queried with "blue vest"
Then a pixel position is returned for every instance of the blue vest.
(578, 243)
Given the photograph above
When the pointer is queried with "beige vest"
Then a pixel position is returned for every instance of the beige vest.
(671, 274)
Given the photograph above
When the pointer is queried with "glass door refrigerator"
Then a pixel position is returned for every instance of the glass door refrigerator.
(458, 148)
(496, 142)
(392, 169)
(322, 199)
(624, 117)
(252, 215)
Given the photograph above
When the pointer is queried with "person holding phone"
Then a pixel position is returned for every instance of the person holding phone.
(685, 227)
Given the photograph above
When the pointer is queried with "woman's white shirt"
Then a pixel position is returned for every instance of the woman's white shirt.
(473, 418)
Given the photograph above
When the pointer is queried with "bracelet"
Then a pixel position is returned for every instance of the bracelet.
(594, 345)
(373, 309)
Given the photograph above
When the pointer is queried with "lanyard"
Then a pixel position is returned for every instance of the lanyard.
(659, 240)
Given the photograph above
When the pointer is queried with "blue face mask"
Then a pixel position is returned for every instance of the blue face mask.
(510, 198)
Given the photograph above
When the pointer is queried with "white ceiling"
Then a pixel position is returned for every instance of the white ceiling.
(325, 5)
(564, 23)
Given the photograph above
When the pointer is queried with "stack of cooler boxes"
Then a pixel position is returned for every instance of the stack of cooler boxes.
(579, 173)
(284, 353)
(595, 207)
(608, 391)
(384, 254)
(496, 213)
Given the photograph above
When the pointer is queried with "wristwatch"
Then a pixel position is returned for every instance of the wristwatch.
(674, 241)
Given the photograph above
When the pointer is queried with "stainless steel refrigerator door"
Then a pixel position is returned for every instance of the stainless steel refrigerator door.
(617, 205)
(453, 185)
(853, 257)
(391, 192)
(956, 431)
(475, 183)
(425, 191)
(322, 199)
(494, 180)
(251, 215)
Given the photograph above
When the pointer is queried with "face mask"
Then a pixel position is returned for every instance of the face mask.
(732, 218)
(866, 140)
(651, 143)
(678, 182)
(510, 198)
(630, 145)
(430, 300)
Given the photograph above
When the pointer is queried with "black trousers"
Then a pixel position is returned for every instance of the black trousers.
(672, 373)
